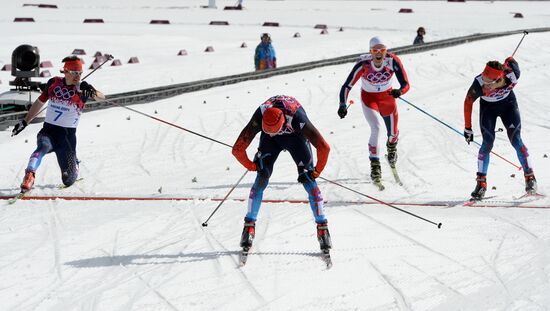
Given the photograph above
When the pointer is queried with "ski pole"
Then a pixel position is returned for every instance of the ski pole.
(456, 131)
(351, 102)
(168, 123)
(205, 224)
(525, 32)
(108, 59)
(382, 202)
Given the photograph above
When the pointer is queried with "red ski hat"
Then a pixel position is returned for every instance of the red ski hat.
(273, 120)
(72, 65)
(492, 73)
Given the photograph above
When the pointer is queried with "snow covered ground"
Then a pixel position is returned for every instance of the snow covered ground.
(154, 255)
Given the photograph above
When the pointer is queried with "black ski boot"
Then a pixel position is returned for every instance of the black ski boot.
(530, 184)
(247, 237)
(481, 187)
(324, 236)
(392, 153)
(375, 170)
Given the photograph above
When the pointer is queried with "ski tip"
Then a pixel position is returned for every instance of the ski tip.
(439, 225)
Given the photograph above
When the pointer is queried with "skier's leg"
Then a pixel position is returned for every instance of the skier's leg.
(512, 121)
(66, 158)
(487, 121)
(371, 115)
(393, 135)
(300, 150)
(268, 152)
(43, 146)
(388, 111)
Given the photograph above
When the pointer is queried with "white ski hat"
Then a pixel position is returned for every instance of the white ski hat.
(374, 41)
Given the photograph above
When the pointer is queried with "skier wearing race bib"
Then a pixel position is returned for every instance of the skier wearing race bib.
(495, 87)
(376, 71)
(67, 97)
(284, 126)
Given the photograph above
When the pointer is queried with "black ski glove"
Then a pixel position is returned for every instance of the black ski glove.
(87, 89)
(21, 125)
(395, 93)
(307, 176)
(468, 135)
(342, 111)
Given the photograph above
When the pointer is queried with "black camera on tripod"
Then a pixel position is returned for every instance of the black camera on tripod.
(25, 62)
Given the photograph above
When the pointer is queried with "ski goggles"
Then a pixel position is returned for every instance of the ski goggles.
(376, 51)
(74, 73)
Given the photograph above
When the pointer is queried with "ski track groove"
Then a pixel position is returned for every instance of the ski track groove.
(425, 247)
(54, 233)
(539, 247)
(501, 283)
(28, 253)
(104, 283)
(157, 293)
(140, 154)
(446, 288)
(398, 296)
(96, 172)
(210, 238)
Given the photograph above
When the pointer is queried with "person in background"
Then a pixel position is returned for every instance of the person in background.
(67, 97)
(420, 32)
(495, 87)
(284, 125)
(265, 57)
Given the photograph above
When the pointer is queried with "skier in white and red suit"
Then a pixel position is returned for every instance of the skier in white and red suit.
(376, 70)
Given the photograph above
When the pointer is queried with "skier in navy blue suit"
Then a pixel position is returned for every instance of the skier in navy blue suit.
(284, 126)
(495, 87)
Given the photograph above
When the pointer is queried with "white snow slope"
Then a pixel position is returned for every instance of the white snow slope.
(154, 255)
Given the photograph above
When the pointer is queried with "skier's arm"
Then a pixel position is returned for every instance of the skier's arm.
(473, 93)
(244, 140)
(312, 134)
(98, 95)
(401, 75)
(353, 76)
(34, 110)
(257, 58)
(39, 102)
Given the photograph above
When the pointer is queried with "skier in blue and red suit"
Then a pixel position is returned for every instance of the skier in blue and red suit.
(284, 126)
(495, 87)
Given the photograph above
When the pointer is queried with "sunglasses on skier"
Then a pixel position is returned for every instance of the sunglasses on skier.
(376, 51)
(489, 81)
(74, 73)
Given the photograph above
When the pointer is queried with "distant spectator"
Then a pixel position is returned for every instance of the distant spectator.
(419, 36)
(264, 57)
